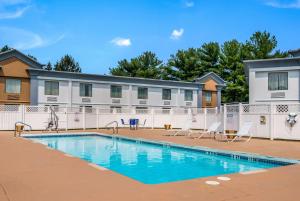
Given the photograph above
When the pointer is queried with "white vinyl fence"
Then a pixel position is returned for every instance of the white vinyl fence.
(269, 120)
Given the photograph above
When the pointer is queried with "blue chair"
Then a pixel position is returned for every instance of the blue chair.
(123, 122)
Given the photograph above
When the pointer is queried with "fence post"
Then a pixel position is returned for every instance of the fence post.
(67, 126)
(271, 121)
(152, 118)
(83, 117)
(240, 115)
(225, 118)
(97, 117)
(23, 113)
(205, 118)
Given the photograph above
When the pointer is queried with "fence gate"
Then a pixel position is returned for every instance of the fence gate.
(232, 117)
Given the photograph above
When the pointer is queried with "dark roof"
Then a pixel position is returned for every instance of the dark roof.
(15, 53)
(295, 53)
(271, 63)
(110, 78)
(213, 76)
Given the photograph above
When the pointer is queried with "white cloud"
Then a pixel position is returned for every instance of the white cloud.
(189, 4)
(121, 41)
(11, 9)
(24, 40)
(284, 4)
(176, 34)
(13, 14)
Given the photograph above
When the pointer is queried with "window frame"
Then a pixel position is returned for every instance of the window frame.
(167, 99)
(185, 95)
(85, 84)
(138, 93)
(111, 92)
(20, 85)
(51, 94)
(278, 87)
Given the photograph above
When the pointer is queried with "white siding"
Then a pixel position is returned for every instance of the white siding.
(258, 87)
(69, 93)
(62, 98)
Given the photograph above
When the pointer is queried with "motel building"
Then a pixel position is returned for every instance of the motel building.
(274, 81)
(23, 81)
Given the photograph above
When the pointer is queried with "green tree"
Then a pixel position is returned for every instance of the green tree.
(232, 68)
(5, 48)
(146, 65)
(48, 66)
(261, 45)
(67, 63)
(184, 65)
(210, 57)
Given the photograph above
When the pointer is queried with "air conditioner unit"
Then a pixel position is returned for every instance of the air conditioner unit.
(116, 101)
(86, 100)
(167, 102)
(188, 103)
(51, 99)
(142, 102)
(13, 97)
(278, 95)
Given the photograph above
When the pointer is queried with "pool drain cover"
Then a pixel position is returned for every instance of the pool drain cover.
(213, 183)
(224, 178)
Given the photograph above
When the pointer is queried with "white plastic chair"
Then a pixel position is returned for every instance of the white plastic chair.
(244, 131)
(213, 128)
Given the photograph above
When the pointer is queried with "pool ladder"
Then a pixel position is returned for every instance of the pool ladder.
(115, 128)
(19, 127)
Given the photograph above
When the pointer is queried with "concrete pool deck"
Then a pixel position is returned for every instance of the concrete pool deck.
(29, 171)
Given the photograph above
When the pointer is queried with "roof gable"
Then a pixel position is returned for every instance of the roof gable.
(17, 54)
(212, 76)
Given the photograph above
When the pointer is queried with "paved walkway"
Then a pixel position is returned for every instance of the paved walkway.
(30, 172)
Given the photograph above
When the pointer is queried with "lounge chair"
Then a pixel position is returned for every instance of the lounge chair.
(244, 131)
(186, 130)
(214, 128)
(143, 124)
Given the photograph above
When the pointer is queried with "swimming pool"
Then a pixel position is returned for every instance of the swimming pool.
(155, 162)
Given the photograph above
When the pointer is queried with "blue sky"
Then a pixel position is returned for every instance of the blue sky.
(99, 33)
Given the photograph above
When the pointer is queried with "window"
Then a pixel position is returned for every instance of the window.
(278, 81)
(208, 96)
(88, 108)
(166, 110)
(141, 110)
(117, 109)
(52, 88)
(85, 89)
(142, 93)
(166, 94)
(13, 86)
(115, 91)
(188, 95)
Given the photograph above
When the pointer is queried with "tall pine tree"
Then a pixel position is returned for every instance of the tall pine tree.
(67, 63)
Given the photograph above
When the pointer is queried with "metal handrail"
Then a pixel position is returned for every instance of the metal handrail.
(22, 123)
(117, 126)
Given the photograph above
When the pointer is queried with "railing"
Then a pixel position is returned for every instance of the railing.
(269, 120)
(115, 128)
(19, 129)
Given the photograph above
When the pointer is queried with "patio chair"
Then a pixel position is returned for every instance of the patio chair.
(212, 129)
(186, 130)
(143, 124)
(123, 123)
(244, 131)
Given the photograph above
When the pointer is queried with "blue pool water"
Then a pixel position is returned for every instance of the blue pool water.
(150, 163)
